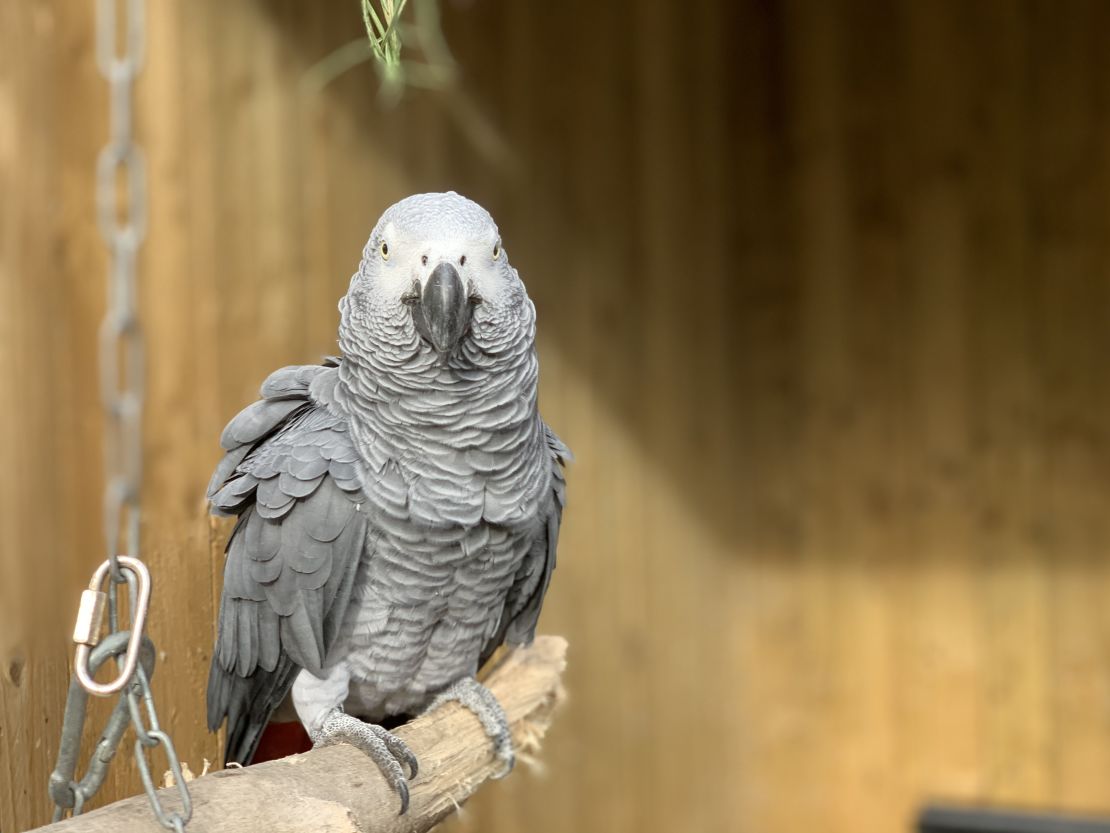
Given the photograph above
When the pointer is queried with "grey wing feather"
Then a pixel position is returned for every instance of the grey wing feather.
(525, 598)
(292, 557)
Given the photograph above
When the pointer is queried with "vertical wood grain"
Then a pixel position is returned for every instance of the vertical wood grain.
(1016, 726)
(824, 312)
(938, 649)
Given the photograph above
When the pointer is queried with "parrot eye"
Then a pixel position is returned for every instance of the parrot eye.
(385, 250)
(497, 250)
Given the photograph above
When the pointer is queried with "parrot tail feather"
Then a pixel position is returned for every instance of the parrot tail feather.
(247, 703)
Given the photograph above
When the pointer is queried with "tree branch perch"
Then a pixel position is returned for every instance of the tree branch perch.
(338, 788)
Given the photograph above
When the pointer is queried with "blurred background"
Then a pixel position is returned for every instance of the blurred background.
(824, 312)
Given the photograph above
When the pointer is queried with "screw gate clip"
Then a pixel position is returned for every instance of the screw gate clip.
(90, 616)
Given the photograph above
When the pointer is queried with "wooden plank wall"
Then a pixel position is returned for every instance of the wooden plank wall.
(824, 291)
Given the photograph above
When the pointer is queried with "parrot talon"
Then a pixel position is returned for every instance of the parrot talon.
(397, 748)
(403, 791)
(480, 700)
(380, 745)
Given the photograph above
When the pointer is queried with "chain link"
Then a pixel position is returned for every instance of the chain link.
(121, 214)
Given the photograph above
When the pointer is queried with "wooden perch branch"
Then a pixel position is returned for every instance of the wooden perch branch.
(339, 789)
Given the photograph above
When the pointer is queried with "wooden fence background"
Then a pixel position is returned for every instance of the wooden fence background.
(824, 295)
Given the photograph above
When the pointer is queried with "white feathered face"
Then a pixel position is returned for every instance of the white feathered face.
(440, 257)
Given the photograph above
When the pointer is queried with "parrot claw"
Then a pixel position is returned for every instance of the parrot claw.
(384, 748)
(480, 700)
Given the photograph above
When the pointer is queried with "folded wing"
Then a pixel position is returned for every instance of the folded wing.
(289, 474)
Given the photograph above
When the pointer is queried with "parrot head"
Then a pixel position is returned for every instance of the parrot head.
(433, 267)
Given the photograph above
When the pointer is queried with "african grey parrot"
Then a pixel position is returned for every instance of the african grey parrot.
(398, 507)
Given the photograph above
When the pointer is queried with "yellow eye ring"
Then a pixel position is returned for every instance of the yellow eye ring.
(496, 250)
(384, 249)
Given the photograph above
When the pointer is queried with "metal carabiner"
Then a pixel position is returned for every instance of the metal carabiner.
(86, 633)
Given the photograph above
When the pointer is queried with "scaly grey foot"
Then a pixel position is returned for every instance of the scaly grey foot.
(385, 749)
(480, 700)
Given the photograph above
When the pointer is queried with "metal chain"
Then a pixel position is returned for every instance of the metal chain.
(121, 344)
(121, 383)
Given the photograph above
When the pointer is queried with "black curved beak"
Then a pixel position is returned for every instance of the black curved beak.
(442, 313)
